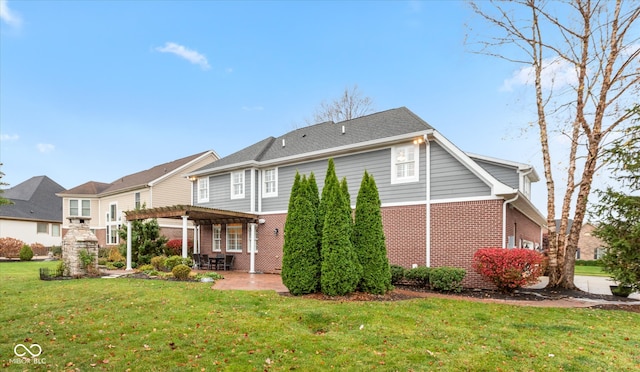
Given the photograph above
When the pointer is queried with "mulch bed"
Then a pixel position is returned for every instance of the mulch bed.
(407, 292)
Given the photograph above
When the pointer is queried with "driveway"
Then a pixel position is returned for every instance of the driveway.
(589, 284)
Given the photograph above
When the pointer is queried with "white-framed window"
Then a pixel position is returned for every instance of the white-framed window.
(216, 247)
(113, 212)
(405, 163)
(270, 182)
(42, 228)
(137, 200)
(55, 230)
(112, 234)
(112, 224)
(237, 185)
(79, 207)
(203, 190)
(234, 238)
(526, 186)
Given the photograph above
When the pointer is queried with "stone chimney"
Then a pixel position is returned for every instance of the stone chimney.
(79, 238)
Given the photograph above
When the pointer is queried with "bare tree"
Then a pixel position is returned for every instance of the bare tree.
(3, 201)
(350, 105)
(598, 43)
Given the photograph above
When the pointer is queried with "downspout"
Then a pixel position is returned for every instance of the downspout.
(504, 219)
(427, 149)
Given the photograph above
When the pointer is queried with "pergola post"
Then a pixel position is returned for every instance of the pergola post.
(252, 248)
(129, 245)
(184, 236)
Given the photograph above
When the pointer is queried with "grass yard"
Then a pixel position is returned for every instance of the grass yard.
(152, 325)
(590, 271)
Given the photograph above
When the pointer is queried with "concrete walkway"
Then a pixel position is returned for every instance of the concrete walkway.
(589, 284)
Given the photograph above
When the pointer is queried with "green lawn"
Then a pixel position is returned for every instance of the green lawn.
(590, 271)
(143, 325)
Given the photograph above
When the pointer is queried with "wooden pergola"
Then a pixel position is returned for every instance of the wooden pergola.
(199, 216)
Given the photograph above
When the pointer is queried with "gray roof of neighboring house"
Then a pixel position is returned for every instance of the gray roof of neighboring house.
(139, 179)
(327, 135)
(34, 199)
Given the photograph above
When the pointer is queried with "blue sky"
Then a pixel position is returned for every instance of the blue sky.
(94, 90)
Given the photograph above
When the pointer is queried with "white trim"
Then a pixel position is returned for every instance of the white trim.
(259, 192)
(215, 227)
(466, 199)
(274, 193)
(186, 165)
(174, 226)
(403, 204)
(234, 226)
(394, 163)
(231, 177)
(522, 167)
(252, 191)
(273, 212)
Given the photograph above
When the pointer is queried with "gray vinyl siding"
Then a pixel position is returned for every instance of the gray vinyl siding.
(377, 163)
(451, 179)
(220, 193)
(505, 174)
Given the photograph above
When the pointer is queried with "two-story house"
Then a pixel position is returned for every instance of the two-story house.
(161, 185)
(439, 204)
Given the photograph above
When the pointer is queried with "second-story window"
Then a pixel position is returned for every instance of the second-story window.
(80, 208)
(270, 182)
(404, 163)
(237, 185)
(203, 190)
(137, 200)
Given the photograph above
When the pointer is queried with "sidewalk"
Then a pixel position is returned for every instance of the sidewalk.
(589, 284)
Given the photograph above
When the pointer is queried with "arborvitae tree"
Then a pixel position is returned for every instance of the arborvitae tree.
(294, 189)
(344, 188)
(369, 241)
(322, 207)
(301, 259)
(340, 267)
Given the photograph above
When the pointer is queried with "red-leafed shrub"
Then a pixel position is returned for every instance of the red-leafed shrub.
(39, 249)
(509, 269)
(10, 247)
(174, 247)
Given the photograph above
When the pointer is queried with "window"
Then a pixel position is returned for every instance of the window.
(112, 234)
(55, 230)
(113, 212)
(137, 200)
(79, 207)
(270, 182)
(599, 253)
(237, 185)
(112, 224)
(404, 163)
(203, 190)
(216, 239)
(234, 238)
(43, 228)
(526, 186)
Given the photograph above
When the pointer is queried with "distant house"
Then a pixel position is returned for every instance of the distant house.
(159, 186)
(36, 213)
(590, 247)
(439, 204)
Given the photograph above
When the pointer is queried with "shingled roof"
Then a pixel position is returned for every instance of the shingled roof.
(326, 136)
(34, 199)
(131, 181)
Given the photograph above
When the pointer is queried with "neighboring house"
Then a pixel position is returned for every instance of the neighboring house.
(36, 212)
(103, 203)
(590, 247)
(439, 204)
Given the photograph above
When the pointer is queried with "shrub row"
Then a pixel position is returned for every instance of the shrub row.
(588, 263)
(164, 263)
(443, 279)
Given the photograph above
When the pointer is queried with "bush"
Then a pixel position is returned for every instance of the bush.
(38, 249)
(10, 247)
(147, 267)
(102, 261)
(119, 264)
(446, 279)
(181, 272)
(174, 261)
(26, 254)
(158, 263)
(588, 263)
(115, 255)
(174, 247)
(397, 273)
(419, 276)
(56, 251)
(509, 269)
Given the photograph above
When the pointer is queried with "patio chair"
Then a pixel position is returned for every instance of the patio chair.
(204, 261)
(228, 262)
(219, 260)
(196, 260)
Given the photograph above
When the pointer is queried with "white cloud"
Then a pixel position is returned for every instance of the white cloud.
(45, 147)
(8, 16)
(556, 73)
(9, 137)
(254, 108)
(186, 53)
